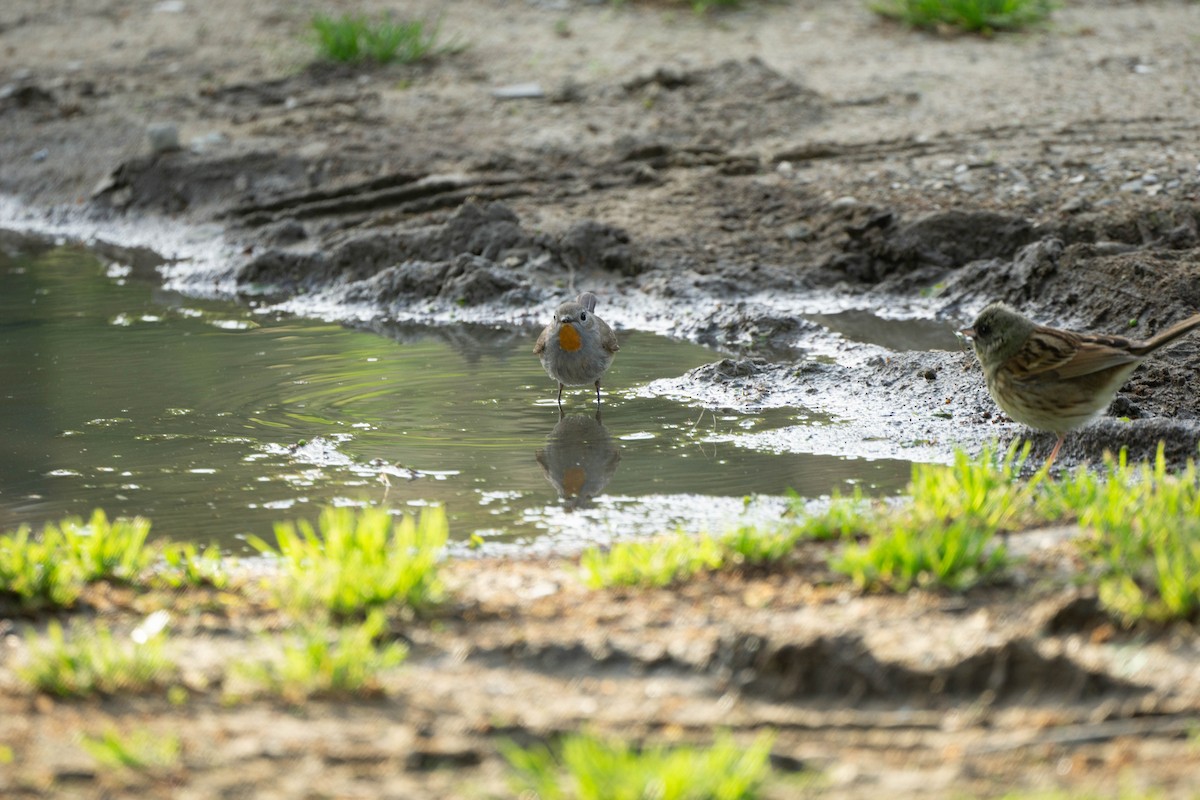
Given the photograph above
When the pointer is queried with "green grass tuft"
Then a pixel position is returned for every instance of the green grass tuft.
(704, 6)
(756, 546)
(954, 554)
(1146, 538)
(945, 535)
(327, 661)
(34, 571)
(842, 516)
(186, 565)
(354, 38)
(655, 562)
(664, 560)
(106, 550)
(585, 767)
(140, 750)
(976, 16)
(93, 661)
(360, 560)
(51, 569)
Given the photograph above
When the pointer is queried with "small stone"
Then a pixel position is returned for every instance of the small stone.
(285, 232)
(1111, 248)
(25, 94)
(1073, 205)
(569, 91)
(41, 155)
(519, 91)
(209, 141)
(798, 231)
(645, 175)
(667, 77)
(163, 137)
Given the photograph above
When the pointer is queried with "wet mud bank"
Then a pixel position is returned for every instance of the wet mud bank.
(747, 185)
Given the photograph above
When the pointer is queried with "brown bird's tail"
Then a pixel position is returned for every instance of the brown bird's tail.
(1167, 337)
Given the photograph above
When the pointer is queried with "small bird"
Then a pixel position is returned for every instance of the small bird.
(577, 347)
(1056, 380)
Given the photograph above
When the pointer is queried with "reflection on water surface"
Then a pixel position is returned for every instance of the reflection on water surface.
(216, 420)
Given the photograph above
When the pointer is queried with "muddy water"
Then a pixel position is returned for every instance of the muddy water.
(216, 419)
(899, 334)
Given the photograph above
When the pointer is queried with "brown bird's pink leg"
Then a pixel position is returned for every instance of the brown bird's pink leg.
(1054, 452)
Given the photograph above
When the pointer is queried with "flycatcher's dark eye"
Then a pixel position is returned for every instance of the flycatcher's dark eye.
(983, 329)
(582, 316)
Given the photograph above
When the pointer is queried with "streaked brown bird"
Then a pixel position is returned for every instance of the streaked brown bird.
(1052, 379)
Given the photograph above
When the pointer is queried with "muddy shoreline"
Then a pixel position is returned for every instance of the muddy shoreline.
(723, 180)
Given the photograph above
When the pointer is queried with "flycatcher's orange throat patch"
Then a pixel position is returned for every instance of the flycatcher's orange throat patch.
(573, 480)
(568, 338)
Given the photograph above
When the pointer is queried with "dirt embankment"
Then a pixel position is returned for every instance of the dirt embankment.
(710, 178)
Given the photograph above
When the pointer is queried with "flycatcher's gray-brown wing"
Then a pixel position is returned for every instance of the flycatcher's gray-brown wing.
(608, 339)
(540, 346)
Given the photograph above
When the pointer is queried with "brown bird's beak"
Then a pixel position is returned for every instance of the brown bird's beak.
(967, 332)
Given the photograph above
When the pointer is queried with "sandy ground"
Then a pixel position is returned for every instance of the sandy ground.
(710, 178)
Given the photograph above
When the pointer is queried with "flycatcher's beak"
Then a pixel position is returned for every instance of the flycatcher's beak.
(967, 332)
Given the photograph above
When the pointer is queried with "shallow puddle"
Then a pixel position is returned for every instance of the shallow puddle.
(895, 334)
(215, 420)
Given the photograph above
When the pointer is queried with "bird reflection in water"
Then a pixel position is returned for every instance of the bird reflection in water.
(579, 459)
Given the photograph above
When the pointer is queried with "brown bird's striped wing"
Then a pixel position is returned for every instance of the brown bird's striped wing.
(1050, 353)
